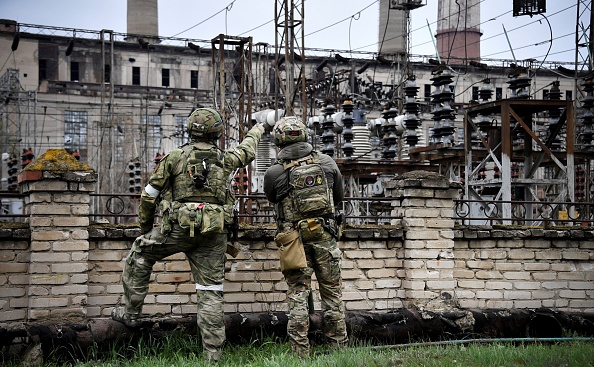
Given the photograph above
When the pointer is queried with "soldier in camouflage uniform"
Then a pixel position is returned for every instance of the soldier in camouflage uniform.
(190, 184)
(321, 251)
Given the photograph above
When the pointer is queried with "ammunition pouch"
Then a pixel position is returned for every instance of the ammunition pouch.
(292, 253)
(203, 217)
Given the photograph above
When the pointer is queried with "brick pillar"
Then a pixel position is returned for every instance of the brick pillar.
(424, 201)
(58, 188)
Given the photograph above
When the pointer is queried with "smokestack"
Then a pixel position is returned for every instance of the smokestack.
(391, 39)
(458, 34)
(143, 18)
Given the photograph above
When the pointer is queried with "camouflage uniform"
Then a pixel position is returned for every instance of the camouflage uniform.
(322, 254)
(205, 253)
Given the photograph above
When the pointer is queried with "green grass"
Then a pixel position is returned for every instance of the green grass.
(186, 351)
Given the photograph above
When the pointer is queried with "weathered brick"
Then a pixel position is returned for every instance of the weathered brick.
(516, 275)
(53, 279)
(571, 275)
(491, 294)
(71, 221)
(532, 304)
(173, 277)
(527, 285)
(49, 209)
(473, 264)
(69, 289)
(515, 254)
(70, 245)
(498, 285)
(70, 267)
(173, 298)
(358, 305)
(358, 254)
(13, 315)
(517, 294)
(554, 285)
(270, 297)
(576, 255)
(50, 235)
(370, 264)
(381, 273)
(48, 302)
(473, 284)
(566, 293)
(240, 277)
(244, 297)
(441, 284)
(508, 266)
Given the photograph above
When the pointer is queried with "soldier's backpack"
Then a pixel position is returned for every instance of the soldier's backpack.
(309, 193)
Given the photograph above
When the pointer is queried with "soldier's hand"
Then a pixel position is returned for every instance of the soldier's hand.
(267, 127)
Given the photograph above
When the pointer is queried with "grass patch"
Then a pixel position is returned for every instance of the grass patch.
(182, 351)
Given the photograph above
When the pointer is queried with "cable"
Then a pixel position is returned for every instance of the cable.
(520, 27)
(530, 45)
(212, 16)
(261, 25)
(340, 21)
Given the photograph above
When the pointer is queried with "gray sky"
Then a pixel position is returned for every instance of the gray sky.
(356, 28)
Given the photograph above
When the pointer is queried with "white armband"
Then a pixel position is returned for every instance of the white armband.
(151, 191)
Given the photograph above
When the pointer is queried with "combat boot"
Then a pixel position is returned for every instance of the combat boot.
(128, 319)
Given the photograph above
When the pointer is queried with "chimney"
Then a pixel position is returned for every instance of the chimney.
(458, 34)
(143, 18)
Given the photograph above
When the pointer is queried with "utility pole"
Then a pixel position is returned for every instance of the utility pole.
(290, 53)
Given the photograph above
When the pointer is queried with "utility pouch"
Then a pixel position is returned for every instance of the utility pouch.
(190, 215)
(232, 250)
(311, 229)
(165, 208)
(292, 253)
(213, 219)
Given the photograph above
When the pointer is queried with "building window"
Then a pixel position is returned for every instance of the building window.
(107, 75)
(427, 92)
(135, 75)
(74, 72)
(75, 132)
(42, 69)
(545, 94)
(498, 93)
(475, 93)
(153, 135)
(165, 77)
(181, 130)
(568, 95)
(194, 79)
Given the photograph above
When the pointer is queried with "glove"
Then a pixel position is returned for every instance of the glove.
(267, 127)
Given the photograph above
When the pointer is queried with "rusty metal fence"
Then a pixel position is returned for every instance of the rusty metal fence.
(255, 209)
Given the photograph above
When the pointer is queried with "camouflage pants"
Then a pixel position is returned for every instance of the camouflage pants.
(206, 256)
(323, 258)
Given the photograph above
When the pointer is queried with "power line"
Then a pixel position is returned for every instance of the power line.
(227, 8)
(340, 21)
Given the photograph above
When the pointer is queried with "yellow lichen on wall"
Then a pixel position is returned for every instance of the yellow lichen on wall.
(56, 160)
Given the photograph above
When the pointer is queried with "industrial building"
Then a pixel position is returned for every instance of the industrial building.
(508, 130)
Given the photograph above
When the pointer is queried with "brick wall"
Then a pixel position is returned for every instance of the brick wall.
(58, 265)
(491, 268)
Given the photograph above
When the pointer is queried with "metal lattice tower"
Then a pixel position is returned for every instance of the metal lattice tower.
(290, 53)
(11, 105)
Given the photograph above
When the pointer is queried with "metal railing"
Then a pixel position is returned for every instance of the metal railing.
(525, 213)
(255, 209)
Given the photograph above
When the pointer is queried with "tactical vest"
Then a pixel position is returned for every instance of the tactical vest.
(199, 175)
(309, 195)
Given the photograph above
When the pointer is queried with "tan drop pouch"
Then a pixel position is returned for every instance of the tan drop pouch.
(292, 253)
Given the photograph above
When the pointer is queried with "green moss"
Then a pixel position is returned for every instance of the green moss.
(56, 160)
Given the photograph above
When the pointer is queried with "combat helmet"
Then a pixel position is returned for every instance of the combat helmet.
(205, 123)
(289, 130)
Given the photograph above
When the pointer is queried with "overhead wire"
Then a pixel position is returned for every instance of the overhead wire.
(207, 19)
(340, 21)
